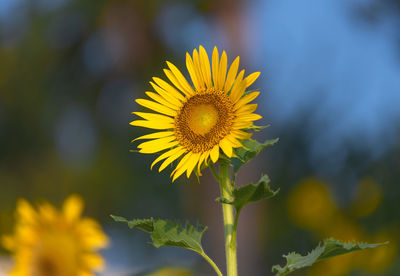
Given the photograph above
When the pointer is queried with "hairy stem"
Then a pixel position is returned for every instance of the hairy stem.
(227, 209)
(211, 262)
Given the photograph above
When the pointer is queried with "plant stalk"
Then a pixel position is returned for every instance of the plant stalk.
(227, 210)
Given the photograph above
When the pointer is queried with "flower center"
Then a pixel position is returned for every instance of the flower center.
(204, 120)
(55, 254)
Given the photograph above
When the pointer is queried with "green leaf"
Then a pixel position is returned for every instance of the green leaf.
(329, 248)
(146, 225)
(169, 233)
(250, 193)
(251, 149)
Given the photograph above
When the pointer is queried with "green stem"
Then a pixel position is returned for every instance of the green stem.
(227, 210)
(204, 255)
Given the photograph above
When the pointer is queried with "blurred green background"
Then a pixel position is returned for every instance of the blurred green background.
(71, 69)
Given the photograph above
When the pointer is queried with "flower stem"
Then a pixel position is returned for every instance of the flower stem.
(227, 209)
(204, 255)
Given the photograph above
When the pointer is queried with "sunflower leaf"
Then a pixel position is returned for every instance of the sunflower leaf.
(250, 193)
(146, 225)
(169, 233)
(329, 248)
(250, 150)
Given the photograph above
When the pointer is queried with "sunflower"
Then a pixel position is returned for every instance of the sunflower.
(194, 123)
(48, 242)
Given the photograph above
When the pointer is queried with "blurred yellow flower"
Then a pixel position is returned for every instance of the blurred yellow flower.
(195, 124)
(380, 259)
(49, 242)
(310, 204)
(368, 198)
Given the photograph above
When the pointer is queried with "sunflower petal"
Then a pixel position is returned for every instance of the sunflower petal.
(249, 117)
(156, 107)
(197, 68)
(158, 147)
(215, 65)
(171, 159)
(180, 78)
(194, 159)
(231, 75)
(169, 88)
(205, 66)
(181, 167)
(154, 135)
(215, 153)
(192, 72)
(165, 155)
(223, 67)
(151, 124)
(250, 79)
(238, 88)
(156, 97)
(166, 95)
(155, 117)
(226, 147)
(245, 100)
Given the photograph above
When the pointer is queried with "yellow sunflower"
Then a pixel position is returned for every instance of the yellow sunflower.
(194, 122)
(48, 242)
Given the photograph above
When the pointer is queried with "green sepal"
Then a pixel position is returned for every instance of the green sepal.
(258, 128)
(250, 193)
(329, 248)
(169, 233)
(250, 150)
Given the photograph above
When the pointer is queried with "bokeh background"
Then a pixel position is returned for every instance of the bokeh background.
(71, 69)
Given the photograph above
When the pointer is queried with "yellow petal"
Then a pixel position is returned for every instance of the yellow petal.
(181, 167)
(156, 142)
(180, 78)
(241, 134)
(252, 78)
(250, 108)
(215, 65)
(238, 88)
(242, 124)
(156, 107)
(215, 153)
(245, 100)
(151, 124)
(159, 147)
(205, 66)
(201, 160)
(93, 261)
(25, 212)
(154, 135)
(197, 68)
(226, 147)
(249, 117)
(223, 67)
(155, 117)
(169, 88)
(234, 142)
(194, 159)
(192, 72)
(165, 155)
(161, 100)
(171, 159)
(166, 95)
(231, 75)
(72, 208)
